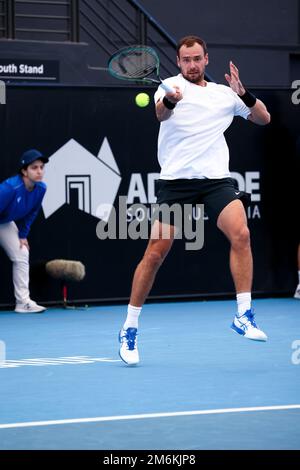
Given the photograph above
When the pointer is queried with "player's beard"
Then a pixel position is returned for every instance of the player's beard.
(196, 77)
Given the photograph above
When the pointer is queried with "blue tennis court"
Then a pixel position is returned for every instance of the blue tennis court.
(199, 385)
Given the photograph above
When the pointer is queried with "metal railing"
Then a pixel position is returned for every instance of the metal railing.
(7, 23)
(115, 24)
(2, 18)
(40, 20)
(106, 25)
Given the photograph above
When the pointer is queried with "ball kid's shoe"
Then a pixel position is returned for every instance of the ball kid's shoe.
(245, 325)
(29, 307)
(297, 292)
(128, 346)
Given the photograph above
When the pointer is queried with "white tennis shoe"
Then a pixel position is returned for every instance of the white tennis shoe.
(245, 325)
(297, 292)
(29, 307)
(128, 346)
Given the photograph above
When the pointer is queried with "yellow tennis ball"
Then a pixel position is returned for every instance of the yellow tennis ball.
(142, 100)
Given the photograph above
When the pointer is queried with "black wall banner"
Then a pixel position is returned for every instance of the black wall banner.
(102, 147)
(35, 70)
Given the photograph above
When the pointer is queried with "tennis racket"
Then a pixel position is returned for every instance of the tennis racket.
(136, 63)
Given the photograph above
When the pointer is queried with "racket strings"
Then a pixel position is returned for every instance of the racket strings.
(133, 64)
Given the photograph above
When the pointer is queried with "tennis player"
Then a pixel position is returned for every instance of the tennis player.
(194, 158)
(20, 201)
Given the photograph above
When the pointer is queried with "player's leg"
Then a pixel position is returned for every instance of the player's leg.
(232, 222)
(162, 236)
(10, 242)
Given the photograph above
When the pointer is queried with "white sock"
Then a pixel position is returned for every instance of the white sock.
(244, 302)
(299, 277)
(132, 319)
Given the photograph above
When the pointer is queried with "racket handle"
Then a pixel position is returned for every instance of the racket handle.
(167, 88)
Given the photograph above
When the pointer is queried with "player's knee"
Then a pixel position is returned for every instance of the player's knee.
(241, 238)
(156, 258)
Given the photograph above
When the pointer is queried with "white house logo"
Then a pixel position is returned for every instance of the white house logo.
(74, 172)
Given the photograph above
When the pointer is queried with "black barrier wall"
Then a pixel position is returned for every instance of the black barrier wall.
(101, 146)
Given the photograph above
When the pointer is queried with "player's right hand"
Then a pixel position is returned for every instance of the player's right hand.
(176, 96)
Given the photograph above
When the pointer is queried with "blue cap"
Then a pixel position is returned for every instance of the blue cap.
(30, 156)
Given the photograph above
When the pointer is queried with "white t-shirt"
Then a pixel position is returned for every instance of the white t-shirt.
(191, 143)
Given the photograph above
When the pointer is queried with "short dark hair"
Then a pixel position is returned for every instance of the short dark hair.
(189, 41)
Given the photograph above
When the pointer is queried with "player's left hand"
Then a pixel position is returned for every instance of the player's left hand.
(234, 80)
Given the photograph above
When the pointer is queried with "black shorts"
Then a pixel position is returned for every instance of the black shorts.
(215, 194)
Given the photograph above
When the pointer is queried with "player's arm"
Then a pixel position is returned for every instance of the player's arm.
(165, 106)
(259, 113)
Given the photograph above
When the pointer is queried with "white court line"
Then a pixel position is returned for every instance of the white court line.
(147, 416)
